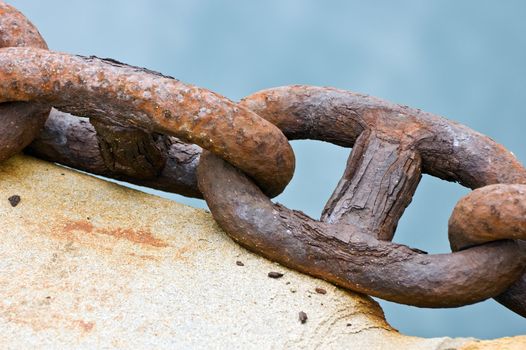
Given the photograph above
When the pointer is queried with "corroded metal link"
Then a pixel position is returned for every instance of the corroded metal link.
(136, 156)
(349, 258)
(20, 122)
(297, 110)
(73, 141)
(131, 96)
(449, 150)
(441, 147)
(17, 30)
(131, 151)
(490, 213)
(392, 145)
(141, 118)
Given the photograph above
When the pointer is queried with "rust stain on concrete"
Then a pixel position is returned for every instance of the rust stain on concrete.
(141, 236)
(67, 282)
(144, 257)
(83, 226)
(85, 326)
(182, 253)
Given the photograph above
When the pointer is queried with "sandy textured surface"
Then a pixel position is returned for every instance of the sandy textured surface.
(88, 264)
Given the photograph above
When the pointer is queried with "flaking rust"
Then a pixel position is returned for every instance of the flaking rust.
(139, 121)
(491, 213)
(130, 96)
(133, 100)
(74, 142)
(21, 122)
(392, 146)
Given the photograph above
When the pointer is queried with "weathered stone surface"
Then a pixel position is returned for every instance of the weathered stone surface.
(89, 264)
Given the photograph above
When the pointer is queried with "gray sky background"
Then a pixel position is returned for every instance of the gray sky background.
(465, 60)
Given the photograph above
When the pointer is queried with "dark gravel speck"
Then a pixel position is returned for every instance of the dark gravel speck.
(274, 274)
(302, 317)
(14, 200)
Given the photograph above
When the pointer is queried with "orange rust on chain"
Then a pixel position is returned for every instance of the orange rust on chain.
(443, 144)
(443, 147)
(495, 212)
(17, 30)
(391, 137)
(131, 96)
(349, 246)
(392, 146)
(488, 214)
(139, 155)
(21, 122)
(74, 142)
(447, 149)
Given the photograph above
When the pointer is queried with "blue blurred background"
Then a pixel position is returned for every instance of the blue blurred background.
(465, 60)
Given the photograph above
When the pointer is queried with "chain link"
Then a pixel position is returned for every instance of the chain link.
(21, 122)
(147, 128)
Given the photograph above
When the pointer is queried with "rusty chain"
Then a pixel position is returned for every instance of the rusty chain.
(148, 129)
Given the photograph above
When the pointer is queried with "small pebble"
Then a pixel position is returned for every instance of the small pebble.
(302, 317)
(14, 200)
(274, 274)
